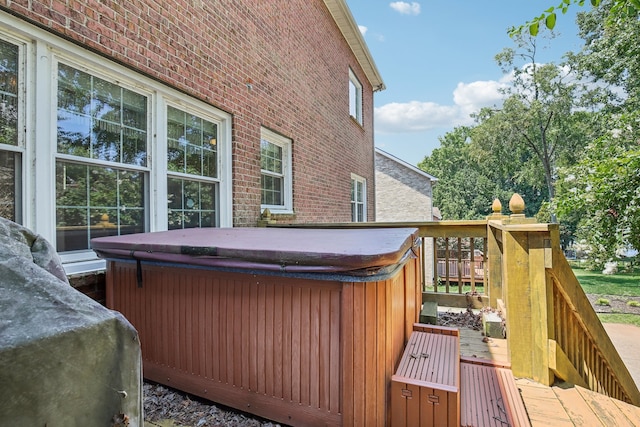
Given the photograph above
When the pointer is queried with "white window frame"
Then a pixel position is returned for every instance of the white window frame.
(355, 97)
(20, 149)
(287, 171)
(354, 180)
(41, 52)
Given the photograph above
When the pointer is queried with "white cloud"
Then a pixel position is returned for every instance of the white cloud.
(470, 97)
(413, 116)
(419, 116)
(363, 29)
(405, 8)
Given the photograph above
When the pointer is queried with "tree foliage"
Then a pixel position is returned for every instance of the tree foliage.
(620, 9)
(465, 188)
(604, 186)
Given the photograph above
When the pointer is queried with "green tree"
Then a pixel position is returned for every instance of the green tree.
(605, 187)
(620, 9)
(610, 58)
(465, 189)
(538, 127)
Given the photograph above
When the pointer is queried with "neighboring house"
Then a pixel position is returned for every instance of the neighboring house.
(121, 117)
(404, 194)
(403, 191)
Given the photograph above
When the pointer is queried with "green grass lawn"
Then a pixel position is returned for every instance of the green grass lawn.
(631, 319)
(594, 282)
(623, 284)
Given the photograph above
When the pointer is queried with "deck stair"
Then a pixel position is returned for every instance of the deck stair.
(435, 386)
(426, 387)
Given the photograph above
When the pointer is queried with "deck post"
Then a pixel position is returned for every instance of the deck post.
(526, 295)
(493, 275)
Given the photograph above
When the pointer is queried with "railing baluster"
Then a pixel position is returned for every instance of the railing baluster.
(472, 264)
(446, 264)
(436, 273)
(460, 265)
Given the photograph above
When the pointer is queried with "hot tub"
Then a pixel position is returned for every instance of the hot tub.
(300, 326)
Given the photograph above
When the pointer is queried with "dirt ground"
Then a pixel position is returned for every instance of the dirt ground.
(614, 304)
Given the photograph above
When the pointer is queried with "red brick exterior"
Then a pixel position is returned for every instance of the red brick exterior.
(291, 53)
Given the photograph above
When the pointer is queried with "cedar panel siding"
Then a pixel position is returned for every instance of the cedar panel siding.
(301, 351)
(279, 65)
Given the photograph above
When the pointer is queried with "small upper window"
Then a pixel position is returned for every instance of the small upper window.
(275, 161)
(355, 97)
(358, 198)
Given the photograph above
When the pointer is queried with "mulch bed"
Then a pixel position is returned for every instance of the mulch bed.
(163, 403)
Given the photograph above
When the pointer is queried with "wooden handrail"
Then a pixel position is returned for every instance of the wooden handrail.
(468, 228)
(587, 346)
(552, 329)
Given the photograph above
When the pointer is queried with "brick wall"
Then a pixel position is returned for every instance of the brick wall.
(90, 284)
(290, 52)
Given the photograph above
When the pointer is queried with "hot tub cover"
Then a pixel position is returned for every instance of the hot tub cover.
(356, 251)
(65, 360)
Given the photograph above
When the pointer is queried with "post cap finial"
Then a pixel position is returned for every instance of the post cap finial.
(496, 206)
(516, 204)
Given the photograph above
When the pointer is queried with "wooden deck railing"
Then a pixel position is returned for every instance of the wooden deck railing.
(552, 330)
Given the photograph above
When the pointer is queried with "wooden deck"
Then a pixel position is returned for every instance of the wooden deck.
(568, 405)
(560, 405)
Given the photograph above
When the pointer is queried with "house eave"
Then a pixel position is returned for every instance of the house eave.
(347, 25)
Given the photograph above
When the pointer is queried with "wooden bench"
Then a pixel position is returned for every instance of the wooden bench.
(425, 389)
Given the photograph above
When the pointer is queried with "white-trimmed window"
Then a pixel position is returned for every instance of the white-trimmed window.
(358, 198)
(192, 163)
(101, 165)
(355, 97)
(276, 172)
(103, 150)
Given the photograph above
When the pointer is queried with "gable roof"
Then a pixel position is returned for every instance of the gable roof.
(342, 15)
(406, 165)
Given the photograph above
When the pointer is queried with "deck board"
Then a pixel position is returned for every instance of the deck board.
(568, 405)
(489, 397)
(542, 405)
(474, 345)
(604, 408)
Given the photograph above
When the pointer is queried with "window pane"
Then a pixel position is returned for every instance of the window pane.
(95, 201)
(271, 157)
(352, 99)
(9, 185)
(191, 203)
(100, 120)
(8, 93)
(192, 144)
(272, 190)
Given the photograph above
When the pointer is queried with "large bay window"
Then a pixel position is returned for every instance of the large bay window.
(105, 151)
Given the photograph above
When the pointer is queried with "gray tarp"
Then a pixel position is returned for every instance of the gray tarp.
(65, 360)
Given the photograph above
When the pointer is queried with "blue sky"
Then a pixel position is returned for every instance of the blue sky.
(436, 58)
